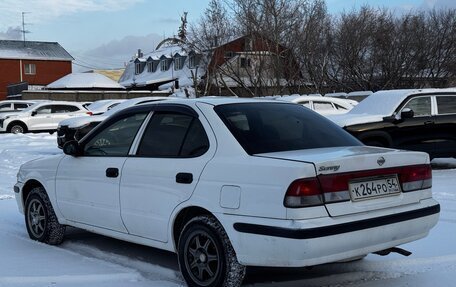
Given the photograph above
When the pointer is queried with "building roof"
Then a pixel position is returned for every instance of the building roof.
(31, 50)
(84, 81)
(166, 50)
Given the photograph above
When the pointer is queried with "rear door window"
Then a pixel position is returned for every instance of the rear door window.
(59, 109)
(44, 110)
(446, 105)
(19, 106)
(173, 135)
(323, 106)
(5, 107)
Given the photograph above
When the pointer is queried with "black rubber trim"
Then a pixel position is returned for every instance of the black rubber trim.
(335, 229)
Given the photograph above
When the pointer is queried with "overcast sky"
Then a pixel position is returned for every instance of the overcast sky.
(106, 33)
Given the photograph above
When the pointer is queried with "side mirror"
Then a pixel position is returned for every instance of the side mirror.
(33, 113)
(72, 148)
(407, 113)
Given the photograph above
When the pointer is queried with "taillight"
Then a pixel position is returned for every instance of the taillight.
(416, 177)
(304, 192)
(331, 188)
(89, 113)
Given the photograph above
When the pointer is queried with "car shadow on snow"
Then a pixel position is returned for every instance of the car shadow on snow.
(152, 263)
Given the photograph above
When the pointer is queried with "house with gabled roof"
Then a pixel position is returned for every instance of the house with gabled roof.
(35, 64)
(229, 69)
(173, 64)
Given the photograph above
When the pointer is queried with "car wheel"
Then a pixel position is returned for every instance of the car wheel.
(40, 219)
(206, 256)
(18, 129)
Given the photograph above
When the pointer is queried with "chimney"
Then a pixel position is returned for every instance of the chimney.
(140, 54)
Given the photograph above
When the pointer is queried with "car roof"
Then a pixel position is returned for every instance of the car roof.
(390, 99)
(18, 101)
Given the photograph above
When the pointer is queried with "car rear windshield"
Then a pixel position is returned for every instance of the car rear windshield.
(275, 127)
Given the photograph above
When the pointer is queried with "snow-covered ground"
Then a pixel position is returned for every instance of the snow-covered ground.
(86, 259)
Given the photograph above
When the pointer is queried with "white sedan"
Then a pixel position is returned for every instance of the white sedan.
(228, 183)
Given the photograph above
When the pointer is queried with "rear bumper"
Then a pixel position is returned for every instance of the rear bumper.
(336, 229)
(300, 243)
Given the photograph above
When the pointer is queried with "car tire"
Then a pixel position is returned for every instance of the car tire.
(17, 128)
(40, 219)
(206, 256)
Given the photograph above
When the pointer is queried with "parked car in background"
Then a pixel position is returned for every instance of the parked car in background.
(187, 176)
(102, 106)
(76, 128)
(421, 120)
(357, 96)
(40, 117)
(322, 105)
(9, 106)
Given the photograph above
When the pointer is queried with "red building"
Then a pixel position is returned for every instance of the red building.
(36, 63)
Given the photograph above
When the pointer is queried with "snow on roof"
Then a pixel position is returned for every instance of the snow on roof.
(360, 93)
(335, 95)
(167, 51)
(385, 102)
(32, 50)
(84, 81)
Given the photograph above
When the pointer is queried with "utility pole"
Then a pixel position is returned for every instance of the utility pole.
(23, 26)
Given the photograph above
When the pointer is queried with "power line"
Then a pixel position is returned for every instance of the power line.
(88, 67)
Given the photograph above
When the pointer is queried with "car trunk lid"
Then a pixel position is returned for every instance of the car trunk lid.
(361, 178)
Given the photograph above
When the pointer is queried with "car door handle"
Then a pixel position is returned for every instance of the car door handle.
(112, 172)
(429, 122)
(184, 177)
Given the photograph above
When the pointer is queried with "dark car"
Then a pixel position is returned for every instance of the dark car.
(420, 120)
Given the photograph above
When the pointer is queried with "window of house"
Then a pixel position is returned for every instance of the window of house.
(149, 67)
(193, 61)
(446, 104)
(137, 68)
(30, 69)
(116, 139)
(229, 54)
(248, 44)
(164, 65)
(245, 62)
(179, 63)
(173, 135)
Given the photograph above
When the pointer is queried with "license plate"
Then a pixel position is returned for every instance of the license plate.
(369, 188)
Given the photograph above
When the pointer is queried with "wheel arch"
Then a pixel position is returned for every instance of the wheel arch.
(184, 216)
(28, 186)
(17, 122)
